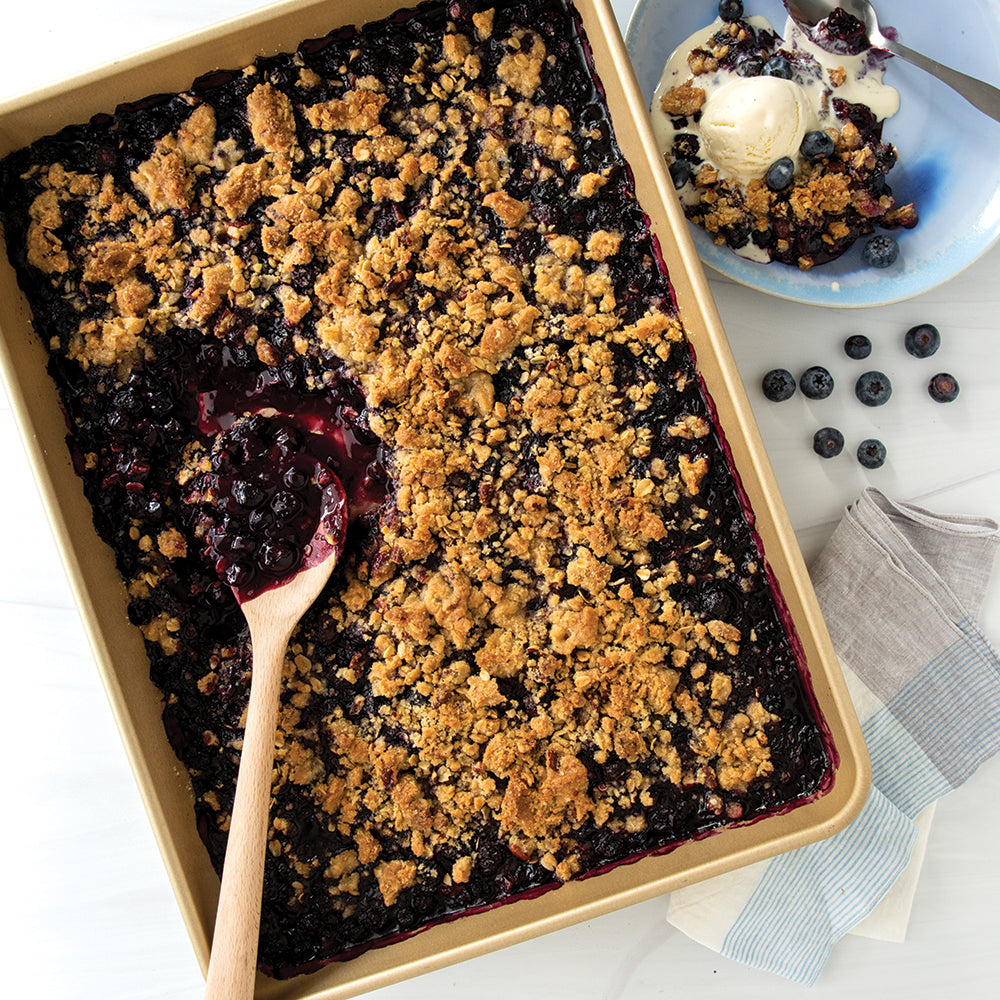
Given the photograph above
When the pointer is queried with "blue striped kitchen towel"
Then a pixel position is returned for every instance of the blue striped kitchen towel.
(900, 589)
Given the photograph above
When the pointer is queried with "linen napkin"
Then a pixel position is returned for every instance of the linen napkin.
(900, 589)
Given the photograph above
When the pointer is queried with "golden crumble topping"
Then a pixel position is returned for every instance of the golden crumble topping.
(683, 100)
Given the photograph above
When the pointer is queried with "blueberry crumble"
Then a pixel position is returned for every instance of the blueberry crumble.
(412, 253)
(775, 142)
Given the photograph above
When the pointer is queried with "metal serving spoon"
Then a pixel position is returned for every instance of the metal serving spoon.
(976, 92)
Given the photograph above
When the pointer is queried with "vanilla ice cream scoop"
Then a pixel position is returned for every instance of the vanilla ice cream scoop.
(750, 122)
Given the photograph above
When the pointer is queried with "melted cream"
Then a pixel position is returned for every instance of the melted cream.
(863, 84)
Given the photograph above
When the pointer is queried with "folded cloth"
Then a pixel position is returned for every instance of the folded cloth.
(900, 589)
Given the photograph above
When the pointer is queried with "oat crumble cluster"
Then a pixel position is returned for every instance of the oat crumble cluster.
(551, 643)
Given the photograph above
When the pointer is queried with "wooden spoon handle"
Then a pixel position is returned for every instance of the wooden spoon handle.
(233, 963)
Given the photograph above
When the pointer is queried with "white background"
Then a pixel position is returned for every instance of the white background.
(89, 910)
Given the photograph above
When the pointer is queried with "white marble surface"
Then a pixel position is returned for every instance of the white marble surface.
(89, 910)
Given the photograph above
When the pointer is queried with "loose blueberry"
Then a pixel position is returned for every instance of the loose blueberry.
(881, 251)
(857, 347)
(828, 442)
(779, 174)
(871, 453)
(778, 66)
(816, 145)
(922, 340)
(816, 382)
(873, 388)
(778, 385)
(730, 10)
(680, 173)
(943, 388)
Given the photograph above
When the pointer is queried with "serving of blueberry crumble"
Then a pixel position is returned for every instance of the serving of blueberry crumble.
(774, 141)
(402, 272)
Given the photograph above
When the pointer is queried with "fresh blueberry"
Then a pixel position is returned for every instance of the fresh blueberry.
(779, 174)
(816, 382)
(778, 66)
(881, 251)
(816, 145)
(730, 10)
(778, 385)
(828, 442)
(680, 173)
(922, 340)
(873, 388)
(871, 453)
(858, 347)
(943, 388)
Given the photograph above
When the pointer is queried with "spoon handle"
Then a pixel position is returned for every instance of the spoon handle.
(233, 963)
(978, 93)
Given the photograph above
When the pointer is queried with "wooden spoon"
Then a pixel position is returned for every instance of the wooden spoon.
(272, 616)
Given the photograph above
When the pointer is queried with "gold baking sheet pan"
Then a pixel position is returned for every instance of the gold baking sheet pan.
(118, 648)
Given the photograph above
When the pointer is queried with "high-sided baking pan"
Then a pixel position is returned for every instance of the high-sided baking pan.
(117, 646)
